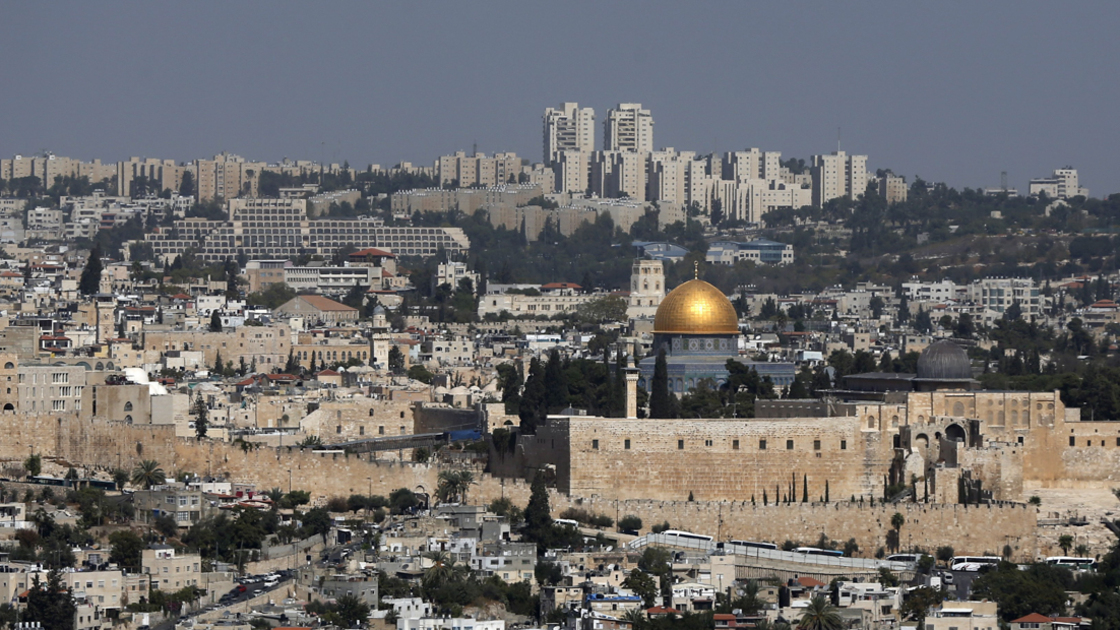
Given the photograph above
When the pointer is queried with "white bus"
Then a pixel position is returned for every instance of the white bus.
(755, 545)
(1072, 562)
(689, 536)
(904, 557)
(566, 522)
(972, 563)
(814, 551)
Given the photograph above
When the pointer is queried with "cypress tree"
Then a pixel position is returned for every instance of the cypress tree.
(826, 491)
(90, 281)
(215, 321)
(805, 489)
(532, 398)
(765, 499)
(218, 366)
(659, 405)
(555, 382)
(538, 515)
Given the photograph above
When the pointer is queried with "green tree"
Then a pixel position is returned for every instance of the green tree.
(201, 417)
(1065, 541)
(34, 465)
(820, 614)
(127, 548)
(215, 321)
(317, 521)
(186, 185)
(120, 478)
(396, 360)
(629, 523)
(538, 515)
(90, 282)
(50, 604)
(659, 404)
(555, 382)
(1041, 589)
(147, 474)
(643, 585)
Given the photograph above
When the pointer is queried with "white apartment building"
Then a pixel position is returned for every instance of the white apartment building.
(740, 166)
(619, 174)
(169, 571)
(330, 279)
(478, 170)
(934, 292)
(571, 171)
(628, 127)
(451, 273)
(838, 175)
(893, 188)
(568, 128)
(1064, 184)
(996, 295)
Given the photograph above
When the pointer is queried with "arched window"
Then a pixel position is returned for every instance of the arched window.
(128, 419)
(128, 406)
(9, 366)
(371, 413)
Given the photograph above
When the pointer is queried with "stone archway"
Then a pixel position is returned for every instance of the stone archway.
(955, 433)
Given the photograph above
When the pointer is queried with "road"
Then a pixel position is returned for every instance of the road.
(251, 590)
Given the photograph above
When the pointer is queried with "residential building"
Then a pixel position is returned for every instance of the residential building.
(892, 187)
(966, 615)
(449, 623)
(331, 280)
(183, 504)
(168, 570)
(452, 273)
(462, 171)
(838, 175)
(996, 295)
(568, 128)
(271, 228)
(1063, 184)
(628, 128)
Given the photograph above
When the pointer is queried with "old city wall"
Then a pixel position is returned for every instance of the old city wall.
(1073, 454)
(968, 529)
(100, 444)
(721, 459)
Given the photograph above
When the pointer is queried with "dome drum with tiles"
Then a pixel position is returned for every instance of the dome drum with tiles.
(698, 329)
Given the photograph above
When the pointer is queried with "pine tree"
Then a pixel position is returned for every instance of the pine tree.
(219, 367)
(201, 420)
(312, 368)
(90, 282)
(659, 405)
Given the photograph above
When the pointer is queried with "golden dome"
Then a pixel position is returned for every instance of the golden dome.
(696, 308)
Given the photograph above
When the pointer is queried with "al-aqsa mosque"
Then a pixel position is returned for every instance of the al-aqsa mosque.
(698, 329)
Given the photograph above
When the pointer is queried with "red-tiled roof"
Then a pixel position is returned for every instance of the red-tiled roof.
(180, 296)
(1032, 618)
(372, 251)
(325, 304)
(327, 373)
(809, 582)
(561, 285)
(662, 610)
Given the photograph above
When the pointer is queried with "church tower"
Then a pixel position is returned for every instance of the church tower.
(647, 288)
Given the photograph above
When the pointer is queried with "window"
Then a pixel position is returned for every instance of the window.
(595, 444)
(707, 442)
(627, 444)
(1072, 441)
(338, 429)
(843, 445)
(381, 430)
(816, 445)
(361, 430)
(789, 445)
(128, 406)
(734, 445)
(680, 445)
(762, 445)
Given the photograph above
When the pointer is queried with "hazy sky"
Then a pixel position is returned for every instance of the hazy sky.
(953, 92)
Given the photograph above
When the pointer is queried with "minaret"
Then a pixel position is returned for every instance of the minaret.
(631, 390)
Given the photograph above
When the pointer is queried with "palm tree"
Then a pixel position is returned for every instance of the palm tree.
(636, 617)
(820, 614)
(442, 569)
(1065, 541)
(147, 474)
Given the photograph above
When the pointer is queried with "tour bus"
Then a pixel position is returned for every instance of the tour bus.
(755, 545)
(686, 536)
(566, 521)
(972, 563)
(904, 557)
(814, 551)
(1072, 562)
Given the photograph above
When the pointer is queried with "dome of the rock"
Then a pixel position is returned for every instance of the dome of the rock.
(696, 308)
